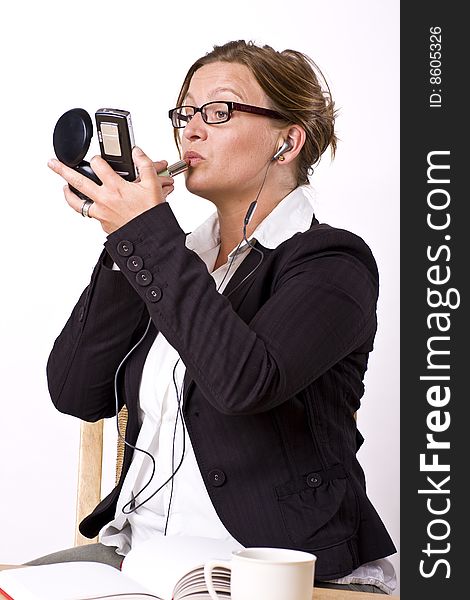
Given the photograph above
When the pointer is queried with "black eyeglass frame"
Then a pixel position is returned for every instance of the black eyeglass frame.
(231, 106)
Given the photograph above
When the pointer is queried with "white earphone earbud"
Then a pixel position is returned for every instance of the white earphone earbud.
(285, 146)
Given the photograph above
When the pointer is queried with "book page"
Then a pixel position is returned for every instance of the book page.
(159, 563)
(70, 581)
(193, 584)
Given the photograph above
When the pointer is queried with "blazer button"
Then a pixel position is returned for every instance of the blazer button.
(217, 477)
(314, 480)
(125, 248)
(154, 294)
(135, 263)
(144, 277)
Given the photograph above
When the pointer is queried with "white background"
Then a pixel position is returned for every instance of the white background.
(133, 55)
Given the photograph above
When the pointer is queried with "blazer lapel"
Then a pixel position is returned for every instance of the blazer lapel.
(235, 291)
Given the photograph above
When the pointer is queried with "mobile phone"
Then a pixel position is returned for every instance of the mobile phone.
(116, 139)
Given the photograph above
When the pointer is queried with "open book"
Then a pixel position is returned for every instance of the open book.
(163, 568)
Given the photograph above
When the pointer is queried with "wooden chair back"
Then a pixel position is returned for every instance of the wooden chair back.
(90, 467)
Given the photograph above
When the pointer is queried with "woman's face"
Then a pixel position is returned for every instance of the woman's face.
(234, 155)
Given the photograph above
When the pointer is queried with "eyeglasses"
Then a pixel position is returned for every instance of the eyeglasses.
(214, 113)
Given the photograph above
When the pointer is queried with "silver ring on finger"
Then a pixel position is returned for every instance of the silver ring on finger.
(86, 208)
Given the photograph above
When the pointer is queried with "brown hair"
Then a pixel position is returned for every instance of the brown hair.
(293, 83)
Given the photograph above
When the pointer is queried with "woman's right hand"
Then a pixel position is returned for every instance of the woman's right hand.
(159, 166)
(167, 188)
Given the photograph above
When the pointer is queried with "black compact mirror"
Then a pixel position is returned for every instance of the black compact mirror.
(71, 140)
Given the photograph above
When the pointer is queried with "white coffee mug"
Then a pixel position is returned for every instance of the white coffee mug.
(274, 573)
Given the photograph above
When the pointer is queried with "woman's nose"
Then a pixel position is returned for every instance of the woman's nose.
(196, 128)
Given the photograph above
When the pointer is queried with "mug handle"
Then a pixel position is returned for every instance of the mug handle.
(208, 568)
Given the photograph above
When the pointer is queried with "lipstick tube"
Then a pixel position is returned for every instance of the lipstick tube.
(174, 169)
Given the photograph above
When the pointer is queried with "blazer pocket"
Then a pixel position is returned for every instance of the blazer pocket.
(320, 510)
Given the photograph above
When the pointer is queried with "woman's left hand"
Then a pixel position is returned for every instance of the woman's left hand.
(117, 201)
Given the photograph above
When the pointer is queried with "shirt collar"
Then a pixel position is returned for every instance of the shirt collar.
(293, 214)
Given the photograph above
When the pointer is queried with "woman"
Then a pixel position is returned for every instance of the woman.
(254, 331)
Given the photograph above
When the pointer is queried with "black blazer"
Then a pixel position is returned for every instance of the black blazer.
(274, 375)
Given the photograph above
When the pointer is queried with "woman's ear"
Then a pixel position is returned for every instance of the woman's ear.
(290, 144)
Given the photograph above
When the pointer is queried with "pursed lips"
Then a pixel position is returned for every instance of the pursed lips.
(192, 158)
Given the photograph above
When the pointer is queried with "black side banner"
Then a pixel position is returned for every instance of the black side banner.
(435, 351)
